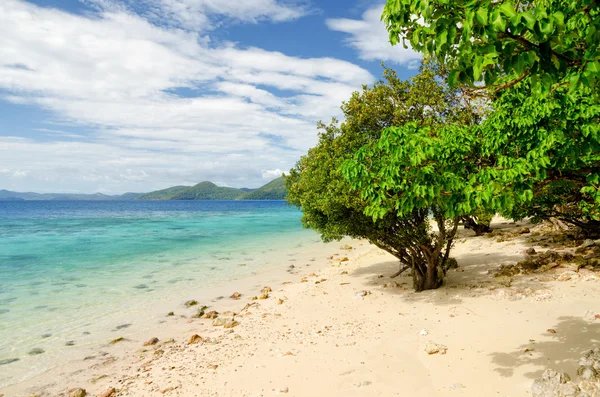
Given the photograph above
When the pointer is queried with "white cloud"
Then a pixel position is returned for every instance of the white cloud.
(199, 15)
(369, 37)
(117, 74)
(272, 174)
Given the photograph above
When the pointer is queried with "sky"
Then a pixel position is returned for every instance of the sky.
(117, 96)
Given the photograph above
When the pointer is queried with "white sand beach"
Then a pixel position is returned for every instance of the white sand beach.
(332, 328)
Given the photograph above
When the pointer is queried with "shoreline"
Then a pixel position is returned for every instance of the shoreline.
(337, 331)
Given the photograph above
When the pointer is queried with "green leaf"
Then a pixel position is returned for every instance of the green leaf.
(508, 9)
(481, 15)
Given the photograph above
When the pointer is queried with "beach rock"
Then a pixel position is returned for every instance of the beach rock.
(194, 339)
(434, 348)
(264, 296)
(169, 314)
(151, 341)
(236, 295)
(567, 275)
(36, 351)
(344, 259)
(505, 271)
(551, 331)
(531, 251)
(115, 341)
(231, 324)
(280, 301)
(211, 315)
(111, 392)
(191, 303)
(451, 263)
(549, 384)
(266, 290)
(78, 392)
(587, 243)
(362, 294)
(200, 313)
(221, 321)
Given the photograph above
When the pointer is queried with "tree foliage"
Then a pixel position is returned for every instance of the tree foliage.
(502, 42)
(335, 210)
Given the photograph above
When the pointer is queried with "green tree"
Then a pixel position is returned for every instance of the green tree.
(552, 41)
(329, 204)
(549, 146)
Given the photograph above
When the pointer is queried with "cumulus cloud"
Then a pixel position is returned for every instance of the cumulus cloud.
(369, 38)
(120, 77)
(272, 174)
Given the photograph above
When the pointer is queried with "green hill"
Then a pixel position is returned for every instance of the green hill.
(274, 190)
(207, 191)
(28, 196)
(164, 194)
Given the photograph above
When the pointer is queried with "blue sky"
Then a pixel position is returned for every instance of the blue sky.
(135, 95)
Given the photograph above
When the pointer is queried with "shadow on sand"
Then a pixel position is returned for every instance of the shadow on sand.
(574, 336)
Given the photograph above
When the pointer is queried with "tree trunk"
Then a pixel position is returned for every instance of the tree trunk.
(432, 278)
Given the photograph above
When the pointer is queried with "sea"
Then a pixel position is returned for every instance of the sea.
(73, 271)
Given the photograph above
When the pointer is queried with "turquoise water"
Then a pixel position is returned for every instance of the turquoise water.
(70, 268)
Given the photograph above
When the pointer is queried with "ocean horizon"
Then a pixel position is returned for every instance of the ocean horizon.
(75, 272)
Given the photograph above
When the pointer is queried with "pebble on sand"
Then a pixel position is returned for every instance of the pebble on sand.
(109, 393)
(236, 295)
(151, 341)
(433, 348)
(78, 392)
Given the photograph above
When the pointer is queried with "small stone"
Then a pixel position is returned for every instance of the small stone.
(280, 301)
(283, 390)
(109, 393)
(230, 324)
(531, 251)
(151, 341)
(36, 351)
(588, 243)
(292, 266)
(70, 343)
(221, 321)
(212, 366)
(211, 315)
(392, 284)
(195, 339)
(423, 332)
(115, 341)
(362, 294)
(551, 331)
(264, 296)
(169, 314)
(433, 348)
(266, 290)
(344, 259)
(236, 296)
(78, 392)
(344, 272)
(191, 303)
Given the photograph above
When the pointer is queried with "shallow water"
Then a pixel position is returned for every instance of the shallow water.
(73, 270)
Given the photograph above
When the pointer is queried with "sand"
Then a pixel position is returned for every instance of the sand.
(341, 333)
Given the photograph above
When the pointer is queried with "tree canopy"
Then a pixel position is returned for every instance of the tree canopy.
(503, 42)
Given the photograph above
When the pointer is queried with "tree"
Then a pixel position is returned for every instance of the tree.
(549, 146)
(416, 169)
(555, 42)
(332, 207)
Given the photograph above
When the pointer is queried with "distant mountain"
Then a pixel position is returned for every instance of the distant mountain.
(164, 194)
(7, 195)
(274, 190)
